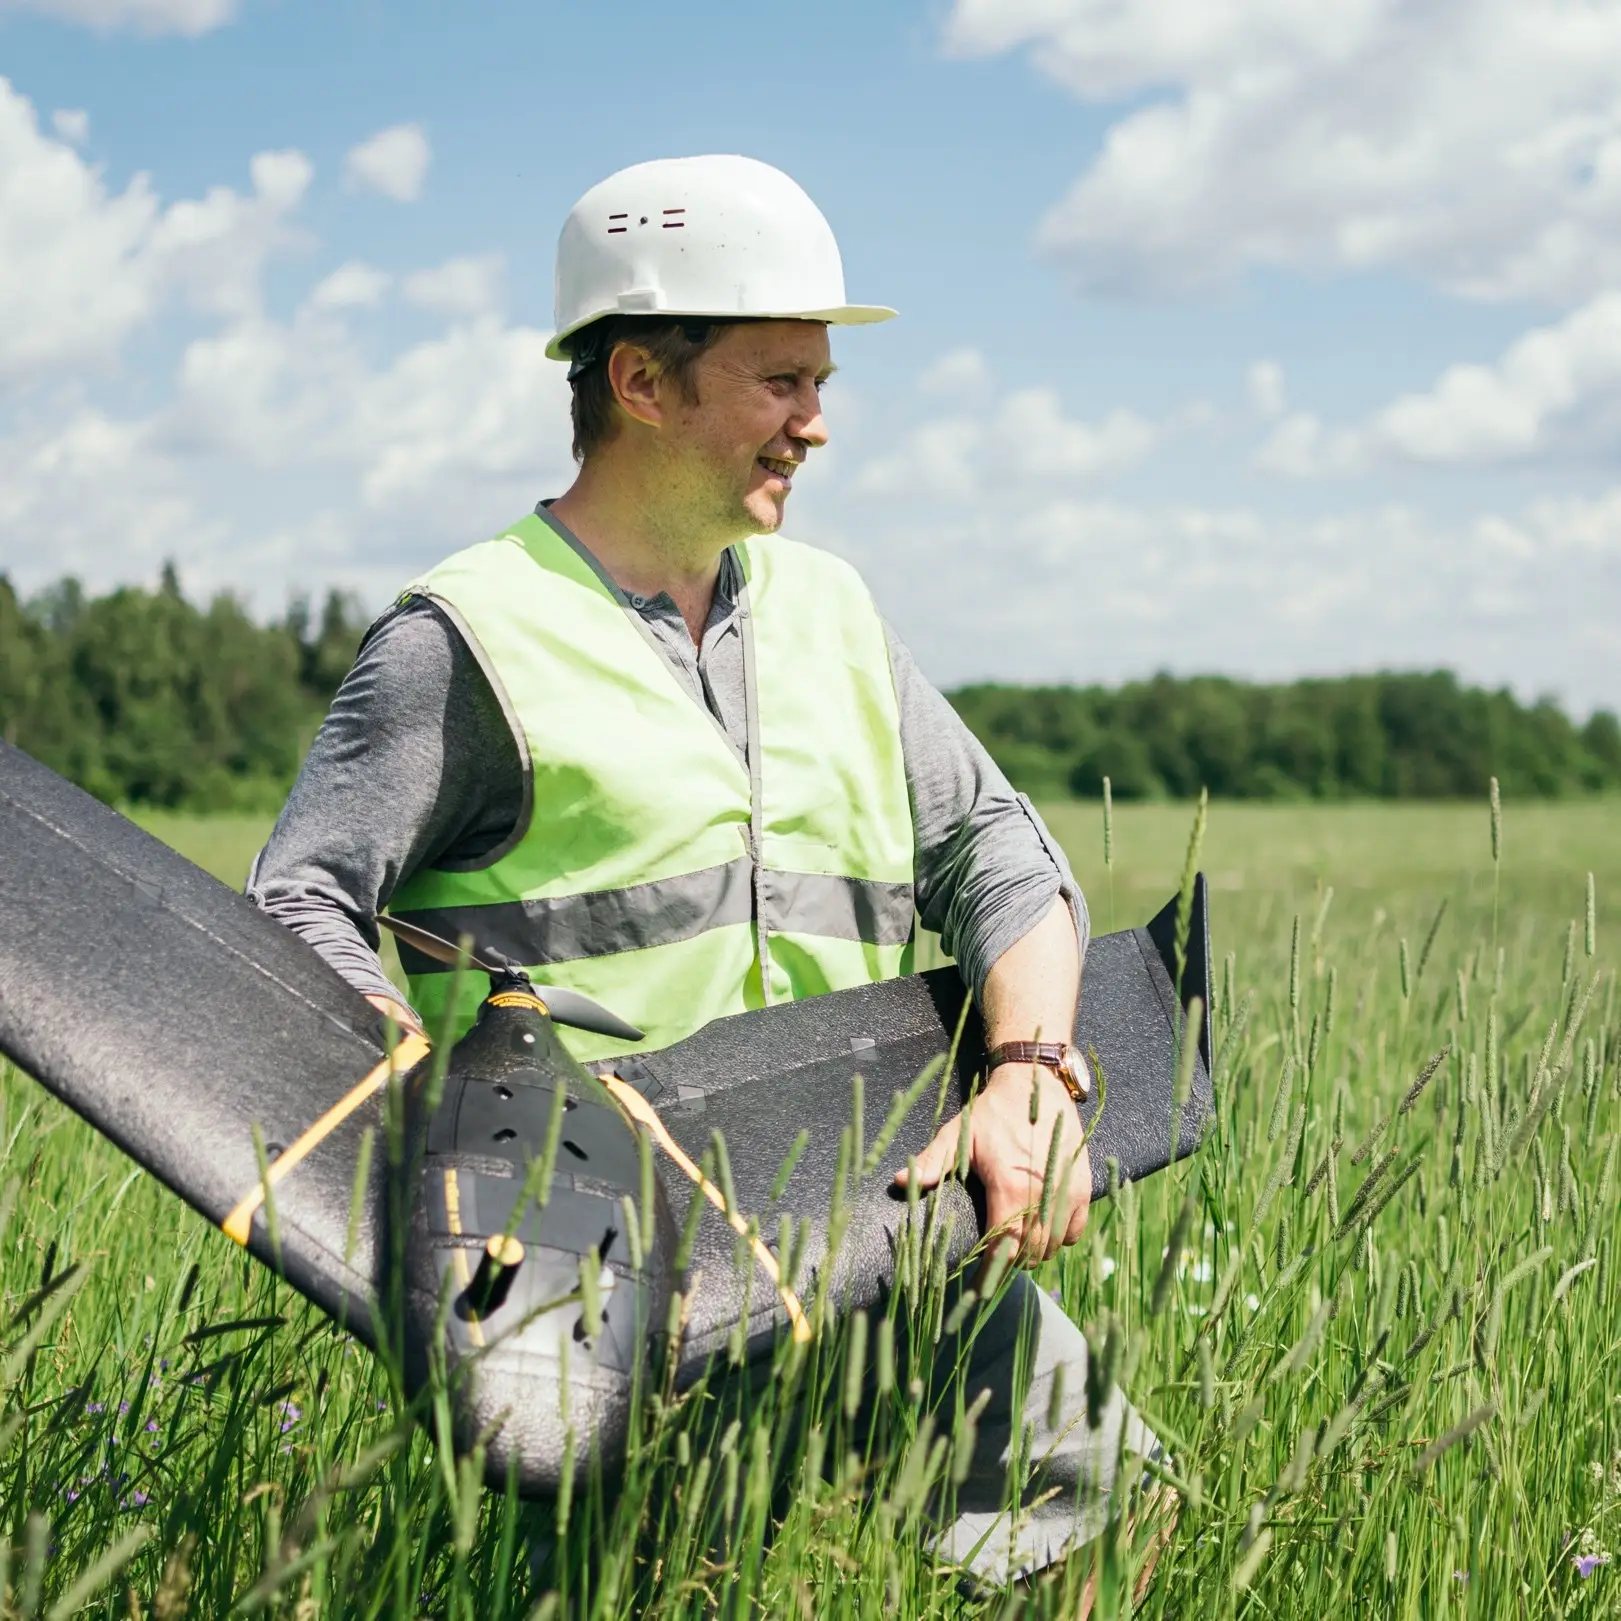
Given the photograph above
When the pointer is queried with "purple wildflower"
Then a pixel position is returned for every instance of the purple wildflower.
(290, 1415)
(94, 1407)
(123, 1407)
(137, 1500)
(152, 1426)
(1587, 1563)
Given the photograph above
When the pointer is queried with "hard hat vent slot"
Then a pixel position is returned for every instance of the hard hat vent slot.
(615, 229)
(673, 224)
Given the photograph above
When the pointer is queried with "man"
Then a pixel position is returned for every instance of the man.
(653, 751)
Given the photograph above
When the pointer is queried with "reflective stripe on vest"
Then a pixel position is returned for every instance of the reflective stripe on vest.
(655, 872)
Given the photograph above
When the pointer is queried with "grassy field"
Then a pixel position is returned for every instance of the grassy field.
(1385, 1353)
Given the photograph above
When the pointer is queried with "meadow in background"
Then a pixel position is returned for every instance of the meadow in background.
(1375, 1318)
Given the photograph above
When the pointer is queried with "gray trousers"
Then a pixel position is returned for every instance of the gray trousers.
(1074, 1476)
(1073, 1472)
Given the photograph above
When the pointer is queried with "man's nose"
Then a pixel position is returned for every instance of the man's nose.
(808, 424)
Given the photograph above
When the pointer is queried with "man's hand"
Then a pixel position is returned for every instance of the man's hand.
(398, 1012)
(1009, 1156)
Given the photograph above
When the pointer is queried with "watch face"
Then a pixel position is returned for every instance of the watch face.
(1074, 1069)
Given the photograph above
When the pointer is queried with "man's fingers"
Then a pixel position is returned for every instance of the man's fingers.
(397, 1011)
(938, 1157)
(1080, 1194)
(1010, 1214)
(1078, 1213)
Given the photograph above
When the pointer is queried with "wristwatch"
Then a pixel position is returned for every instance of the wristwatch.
(1060, 1057)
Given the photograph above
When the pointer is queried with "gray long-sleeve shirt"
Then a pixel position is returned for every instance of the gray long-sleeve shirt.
(417, 765)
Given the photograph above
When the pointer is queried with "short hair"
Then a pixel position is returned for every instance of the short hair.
(670, 343)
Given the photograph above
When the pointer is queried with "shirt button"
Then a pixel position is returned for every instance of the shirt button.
(638, 602)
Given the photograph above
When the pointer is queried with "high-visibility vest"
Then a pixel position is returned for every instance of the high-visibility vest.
(652, 869)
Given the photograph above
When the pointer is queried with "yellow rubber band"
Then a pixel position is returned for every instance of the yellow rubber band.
(642, 1112)
(411, 1050)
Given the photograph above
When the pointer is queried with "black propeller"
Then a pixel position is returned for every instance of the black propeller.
(565, 1006)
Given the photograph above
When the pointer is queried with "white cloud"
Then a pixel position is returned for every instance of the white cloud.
(285, 451)
(1064, 589)
(478, 401)
(1556, 385)
(1477, 142)
(1024, 436)
(352, 286)
(936, 458)
(1300, 446)
(80, 268)
(465, 286)
(87, 495)
(72, 124)
(962, 372)
(1264, 385)
(1032, 435)
(286, 457)
(1554, 392)
(189, 17)
(394, 162)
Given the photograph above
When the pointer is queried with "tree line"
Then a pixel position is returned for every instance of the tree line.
(1393, 735)
(146, 698)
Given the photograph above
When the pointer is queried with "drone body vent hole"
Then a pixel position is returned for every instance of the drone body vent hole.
(575, 1149)
(505, 1134)
(503, 1092)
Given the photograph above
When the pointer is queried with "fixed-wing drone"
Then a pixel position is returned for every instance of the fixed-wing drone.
(540, 1228)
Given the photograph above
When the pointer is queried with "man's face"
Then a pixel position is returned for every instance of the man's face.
(756, 417)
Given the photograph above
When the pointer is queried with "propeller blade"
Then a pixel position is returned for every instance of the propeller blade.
(431, 945)
(568, 1007)
(576, 1009)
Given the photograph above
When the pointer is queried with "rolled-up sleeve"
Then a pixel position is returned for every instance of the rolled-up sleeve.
(987, 868)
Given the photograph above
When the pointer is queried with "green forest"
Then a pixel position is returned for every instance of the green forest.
(145, 698)
(1395, 735)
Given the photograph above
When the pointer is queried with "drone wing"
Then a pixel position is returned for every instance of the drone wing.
(176, 1017)
(183, 1023)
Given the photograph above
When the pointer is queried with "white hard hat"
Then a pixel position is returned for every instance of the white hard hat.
(726, 237)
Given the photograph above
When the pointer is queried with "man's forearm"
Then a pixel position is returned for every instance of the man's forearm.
(1033, 988)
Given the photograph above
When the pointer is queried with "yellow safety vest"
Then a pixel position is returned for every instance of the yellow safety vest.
(651, 868)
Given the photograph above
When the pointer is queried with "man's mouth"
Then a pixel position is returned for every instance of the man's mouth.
(778, 468)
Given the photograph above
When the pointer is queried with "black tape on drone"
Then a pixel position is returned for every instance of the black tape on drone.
(181, 1022)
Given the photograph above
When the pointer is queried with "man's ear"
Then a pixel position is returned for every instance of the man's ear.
(635, 383)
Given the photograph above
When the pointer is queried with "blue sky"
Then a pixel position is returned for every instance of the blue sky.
(1252, 336)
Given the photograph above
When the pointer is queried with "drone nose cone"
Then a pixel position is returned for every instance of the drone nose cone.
(529, 1224)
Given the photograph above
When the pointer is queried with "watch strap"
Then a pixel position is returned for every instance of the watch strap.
(1058, 1056)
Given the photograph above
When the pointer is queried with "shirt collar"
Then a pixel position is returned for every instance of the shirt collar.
(728, 583)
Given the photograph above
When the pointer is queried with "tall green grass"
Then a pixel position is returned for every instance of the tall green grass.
(1383, 1349)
